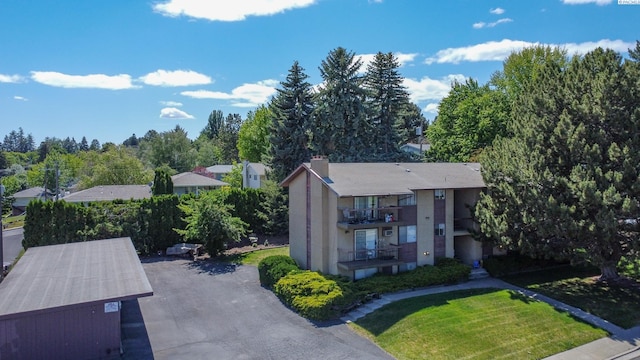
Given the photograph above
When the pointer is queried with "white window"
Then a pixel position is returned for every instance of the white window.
(255, 177)
(368, 206)
(406, 234)
(365, 243)
(439, 194)
(439, 231)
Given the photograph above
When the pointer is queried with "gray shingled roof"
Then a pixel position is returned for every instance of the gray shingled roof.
(365, 179)
(33, 192)
(110, 193)
(187, 179)
(220, 169)
(63, 275)
(259, 168)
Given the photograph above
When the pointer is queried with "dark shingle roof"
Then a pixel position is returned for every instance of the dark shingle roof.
(63, 275)
(365, 179)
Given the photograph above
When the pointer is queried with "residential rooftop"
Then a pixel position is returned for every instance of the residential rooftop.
(110, 193)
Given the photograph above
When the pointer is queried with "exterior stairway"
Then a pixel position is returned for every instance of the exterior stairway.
(478, 273)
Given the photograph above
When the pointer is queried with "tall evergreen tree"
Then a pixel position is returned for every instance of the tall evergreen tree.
(214, 124)
(387, 98)
(162, 183)
(340, 128)
(291, 111)
(566, 185)
(84, 145)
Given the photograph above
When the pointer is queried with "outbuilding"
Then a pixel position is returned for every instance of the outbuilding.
(63, 301)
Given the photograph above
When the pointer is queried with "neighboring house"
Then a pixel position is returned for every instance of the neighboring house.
(188, 182)
(253, 175)
(219, 171)
(109, 193)
(22, 199)
(415, 149)
(356, 219)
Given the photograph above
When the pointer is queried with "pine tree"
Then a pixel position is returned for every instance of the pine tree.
(162, 183)
(566, 185)
(291, 113)
(387, 98)
(84, 145)
(340, 128)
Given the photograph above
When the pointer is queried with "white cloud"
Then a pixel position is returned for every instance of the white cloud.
(175, 78)
(21, 98)
(499, 50)
(10, 78)
(480, 25)
(95, 81)
(402, 58)
(171, 103)
(497, 11)
(431, 108)
(430, 89)
(245, 95)
(580, 2)
(227, 11)
(173, 113)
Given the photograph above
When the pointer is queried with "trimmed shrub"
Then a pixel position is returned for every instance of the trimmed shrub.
(309, 293)
(273, 268)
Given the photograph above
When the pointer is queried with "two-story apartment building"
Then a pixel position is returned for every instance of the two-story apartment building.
(356, 219)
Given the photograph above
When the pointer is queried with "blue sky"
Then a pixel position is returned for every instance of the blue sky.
(108, 69)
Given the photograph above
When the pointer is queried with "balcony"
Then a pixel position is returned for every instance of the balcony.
(463, 226)
(368, 258)
(370, 218)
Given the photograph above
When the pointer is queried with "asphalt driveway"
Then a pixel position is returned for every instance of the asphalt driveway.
(212, 311)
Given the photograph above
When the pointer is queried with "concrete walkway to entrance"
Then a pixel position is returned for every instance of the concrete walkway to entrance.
(621, 344)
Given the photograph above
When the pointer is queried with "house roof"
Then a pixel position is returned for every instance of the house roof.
(259, 168)
(366, 179)
(33, 192)
(220, 169)
(187, 179)
(415, 148)
(64, 275)
(110, 193)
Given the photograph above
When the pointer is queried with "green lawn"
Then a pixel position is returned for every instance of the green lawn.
(13, 221)
(579, 288)
(474, 324)
(254, 257)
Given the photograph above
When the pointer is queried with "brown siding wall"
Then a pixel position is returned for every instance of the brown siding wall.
(408, 252)
(80, 332)
(440, 217)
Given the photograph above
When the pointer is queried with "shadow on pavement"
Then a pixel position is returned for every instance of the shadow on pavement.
(212, 267)
(135, 339)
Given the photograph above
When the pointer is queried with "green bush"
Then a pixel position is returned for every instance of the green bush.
(309, 293)
(446, 272)
(273, 268)
(500, 265)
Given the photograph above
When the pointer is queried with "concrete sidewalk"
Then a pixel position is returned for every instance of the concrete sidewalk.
(621, 344)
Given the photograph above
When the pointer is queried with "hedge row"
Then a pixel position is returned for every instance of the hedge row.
(423, 276)
(321, 297)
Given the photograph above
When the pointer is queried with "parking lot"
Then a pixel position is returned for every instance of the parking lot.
(202, 310)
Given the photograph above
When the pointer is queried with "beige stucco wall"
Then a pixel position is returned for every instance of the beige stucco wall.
(319, 235)
(468, 250)
(297, 220)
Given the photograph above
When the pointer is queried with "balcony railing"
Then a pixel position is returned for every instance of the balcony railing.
(368, 258)
(370, 217)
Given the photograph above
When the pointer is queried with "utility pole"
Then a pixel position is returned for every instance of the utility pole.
(1, 231)
(57, 182)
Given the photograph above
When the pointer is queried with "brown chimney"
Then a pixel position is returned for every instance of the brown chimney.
(320, 165)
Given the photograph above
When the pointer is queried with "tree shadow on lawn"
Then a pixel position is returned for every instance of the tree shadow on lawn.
(382, 319)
